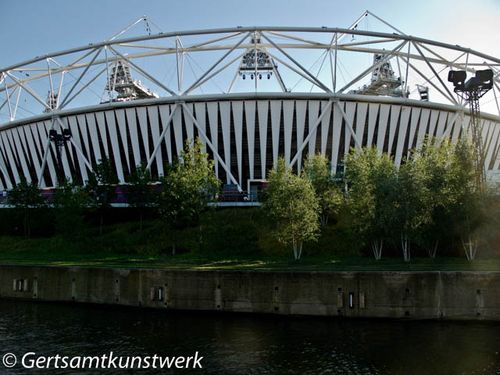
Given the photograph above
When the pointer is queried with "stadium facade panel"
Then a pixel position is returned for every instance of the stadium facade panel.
(244, 134)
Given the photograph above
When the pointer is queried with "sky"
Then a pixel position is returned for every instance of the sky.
(32, 27)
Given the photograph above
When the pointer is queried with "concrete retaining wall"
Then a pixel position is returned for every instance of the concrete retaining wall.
(422, 295)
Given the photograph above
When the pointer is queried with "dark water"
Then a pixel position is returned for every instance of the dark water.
(244, 344)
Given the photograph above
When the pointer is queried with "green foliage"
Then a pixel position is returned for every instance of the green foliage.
(140, 193)
(439, 164)
(187, 188)
(371, 178)
(101, 184)
(292, 206)
(70, 202)
(468, 203)
(412, 202)
(330, 196)
(25, 198)
(101, 188)
(25, 195)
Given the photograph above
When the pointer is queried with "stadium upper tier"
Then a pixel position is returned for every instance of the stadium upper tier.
(251, 94)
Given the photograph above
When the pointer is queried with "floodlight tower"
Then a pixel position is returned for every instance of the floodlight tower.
(60, 140)
(471, 91)
(256, 63)
(121, 81)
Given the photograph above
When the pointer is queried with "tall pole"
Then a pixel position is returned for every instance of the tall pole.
(477, 139)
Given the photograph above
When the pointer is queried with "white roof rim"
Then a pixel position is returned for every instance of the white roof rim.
(161, 35)
(244, 96)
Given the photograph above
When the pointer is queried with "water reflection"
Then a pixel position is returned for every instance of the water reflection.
(244, 344)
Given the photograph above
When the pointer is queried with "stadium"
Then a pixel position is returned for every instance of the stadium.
(251, 94)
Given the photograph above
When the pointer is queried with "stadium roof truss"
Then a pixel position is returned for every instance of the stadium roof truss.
(78, 72)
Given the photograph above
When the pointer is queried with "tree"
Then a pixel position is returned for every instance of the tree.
(412, 202)
(70, 201)
(330, 197)
(187, 188)
(437, 159)
(101, 188)
(25, 197)
(140, 193)
(469, 202)
(371, 180)
(291, 204)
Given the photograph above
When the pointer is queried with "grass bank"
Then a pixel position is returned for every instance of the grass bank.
(223, 240)
(53, 252)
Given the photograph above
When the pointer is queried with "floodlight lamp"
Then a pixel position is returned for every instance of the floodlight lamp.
(53, 134)
(485, 77)
(66, 134)
(457, 77)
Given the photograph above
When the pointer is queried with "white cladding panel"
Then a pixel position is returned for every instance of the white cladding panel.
(73, 125)
(275, 126)
(262, 109)
(238, 135)
(313, 119)
(213, 119)
(225, 117)
(301, 106)
(325, 125)
(110, 120)
(250, 125)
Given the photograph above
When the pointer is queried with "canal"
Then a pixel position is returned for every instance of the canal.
(251, 344)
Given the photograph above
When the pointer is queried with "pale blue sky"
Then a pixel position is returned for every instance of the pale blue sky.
(33, 27)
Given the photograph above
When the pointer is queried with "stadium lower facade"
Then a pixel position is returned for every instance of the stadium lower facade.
(243, 132)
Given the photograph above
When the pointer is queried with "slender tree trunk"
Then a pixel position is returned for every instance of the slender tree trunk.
(324, 220)
(200, 238)
(140, 220)
(433, 250)
(470, 249)
(299, 250)
(294, 245)
(405, 245)
(377, 246)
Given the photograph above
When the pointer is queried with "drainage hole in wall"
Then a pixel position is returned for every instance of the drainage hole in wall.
(407, 313)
